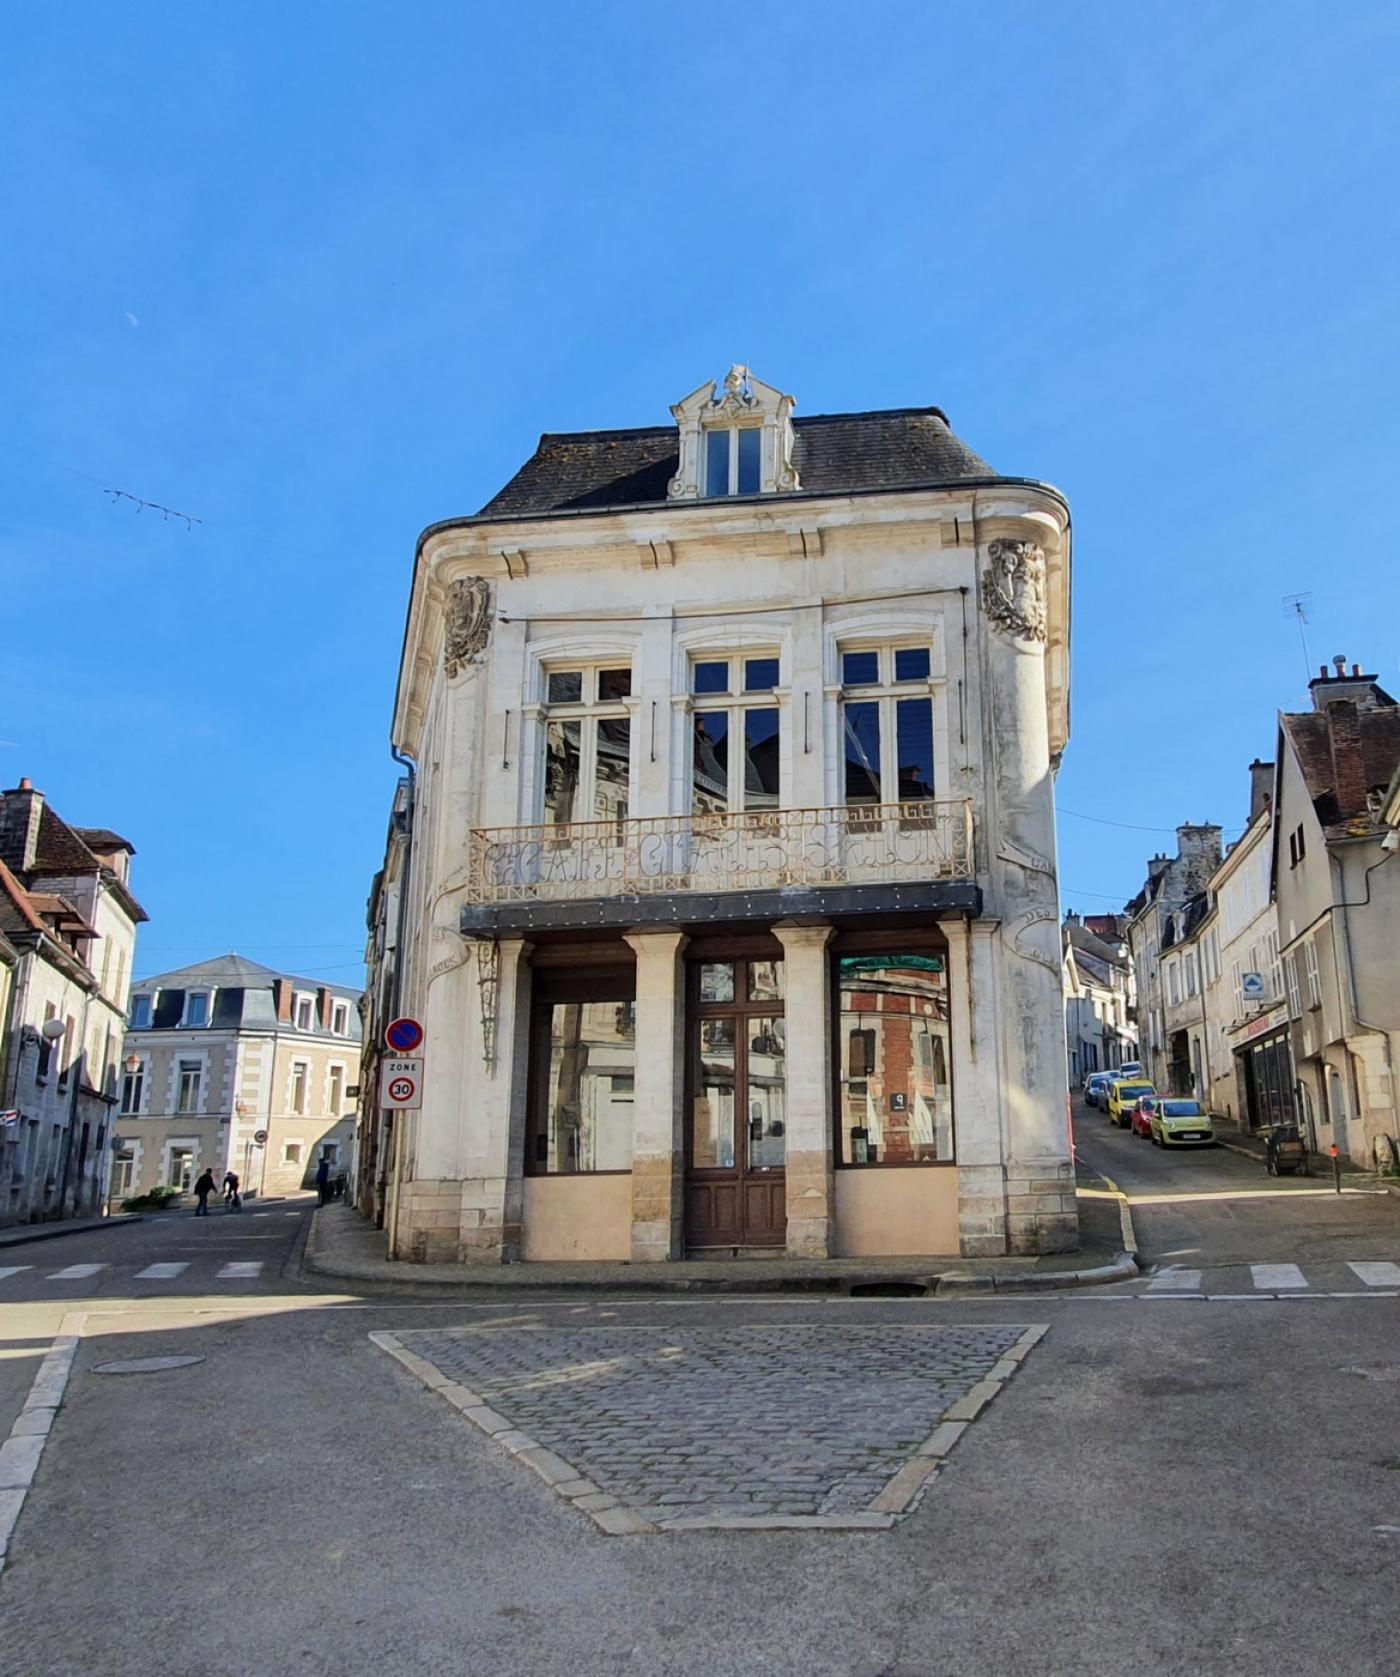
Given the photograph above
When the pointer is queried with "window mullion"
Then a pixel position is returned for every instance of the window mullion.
(889, 750)
(734, 460)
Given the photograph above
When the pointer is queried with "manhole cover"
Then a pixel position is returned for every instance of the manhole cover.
(146, 1365)
(1375, 1371)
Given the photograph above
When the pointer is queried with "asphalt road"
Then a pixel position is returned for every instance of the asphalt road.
(1168, 1484)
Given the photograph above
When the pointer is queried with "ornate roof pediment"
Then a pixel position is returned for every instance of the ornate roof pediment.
(741, 400)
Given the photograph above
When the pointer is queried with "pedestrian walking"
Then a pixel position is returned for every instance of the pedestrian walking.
(323, 1180)
(202, 1190)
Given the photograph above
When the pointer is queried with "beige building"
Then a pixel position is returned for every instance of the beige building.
(730, 906)
(1100, 1024)
(1337, 889)
(69, 918)
(233, 1066)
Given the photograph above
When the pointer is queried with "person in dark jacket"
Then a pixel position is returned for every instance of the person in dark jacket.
(202, 1190)
(323, 1180)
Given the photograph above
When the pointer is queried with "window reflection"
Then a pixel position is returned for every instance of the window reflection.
(896, 1095)
(586, 1118)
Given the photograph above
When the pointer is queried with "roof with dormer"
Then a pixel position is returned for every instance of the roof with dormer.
(835, 453)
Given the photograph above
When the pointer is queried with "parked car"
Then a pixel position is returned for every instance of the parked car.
(1181, 1123)
(1122, 1097)
(1096, 1088)
(1143, 1109)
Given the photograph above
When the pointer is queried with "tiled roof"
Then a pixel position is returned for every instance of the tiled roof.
(1309, 735)
(234, 969)
(59, 849)
(17, 913)
(103, 838)
(833, 453)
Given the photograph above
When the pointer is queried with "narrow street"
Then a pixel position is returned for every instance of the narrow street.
(298, 1499)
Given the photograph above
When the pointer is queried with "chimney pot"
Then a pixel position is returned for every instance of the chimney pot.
(26, 784)
(1356, 669)
(1322, 672)
(1340, 660)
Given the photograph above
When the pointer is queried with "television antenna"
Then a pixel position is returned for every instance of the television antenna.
(1300, 606)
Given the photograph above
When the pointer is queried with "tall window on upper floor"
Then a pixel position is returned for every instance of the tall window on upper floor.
(732, 460)
(140, 1016)
(887, 724)
(197, 1007)
(133, 1083)
(734, 733)
(587, 744)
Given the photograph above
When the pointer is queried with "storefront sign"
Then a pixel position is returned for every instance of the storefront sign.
(1274, 1019)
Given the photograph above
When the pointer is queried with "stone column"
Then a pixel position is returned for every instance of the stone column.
(1020, 861)
(975, 1027)
(811, 1188)
(658, 1136)
(493, 1190)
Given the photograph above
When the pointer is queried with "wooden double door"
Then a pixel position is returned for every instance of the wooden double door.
(736, 1106)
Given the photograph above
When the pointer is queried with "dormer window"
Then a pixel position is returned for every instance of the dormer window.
(734, 440)
(197, 1008)
(732, 456)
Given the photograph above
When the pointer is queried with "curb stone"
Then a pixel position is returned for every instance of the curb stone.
(22, 1233)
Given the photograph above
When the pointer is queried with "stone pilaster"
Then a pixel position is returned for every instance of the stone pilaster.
(811, 1196)
(975, 1025)
(658, 1146)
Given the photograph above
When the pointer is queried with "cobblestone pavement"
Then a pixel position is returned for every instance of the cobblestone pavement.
(790, 1425)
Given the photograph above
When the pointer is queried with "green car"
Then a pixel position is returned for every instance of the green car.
(1122, 1097)
(1181, 1123)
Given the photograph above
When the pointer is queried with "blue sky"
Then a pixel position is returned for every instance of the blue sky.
(318, 275)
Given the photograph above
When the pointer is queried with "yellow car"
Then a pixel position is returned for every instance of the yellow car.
(1122, 1097)
(1181, 1123)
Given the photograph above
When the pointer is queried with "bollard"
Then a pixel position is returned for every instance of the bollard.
(1336, 1167)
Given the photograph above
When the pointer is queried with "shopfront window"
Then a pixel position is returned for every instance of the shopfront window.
(585, 1059)
(895, 1098)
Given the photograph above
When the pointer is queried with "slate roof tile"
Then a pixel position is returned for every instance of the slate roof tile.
(833, 453)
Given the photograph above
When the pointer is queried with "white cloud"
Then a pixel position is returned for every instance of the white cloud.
(131, 320)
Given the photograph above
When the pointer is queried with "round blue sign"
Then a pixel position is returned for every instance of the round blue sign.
(404, 1035)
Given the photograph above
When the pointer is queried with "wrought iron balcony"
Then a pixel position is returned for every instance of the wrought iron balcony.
(752, 851)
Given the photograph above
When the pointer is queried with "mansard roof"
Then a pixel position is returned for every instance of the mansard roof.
(835, 453)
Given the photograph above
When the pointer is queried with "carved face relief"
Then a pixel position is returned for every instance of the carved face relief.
(1013, 588)
(467, 614)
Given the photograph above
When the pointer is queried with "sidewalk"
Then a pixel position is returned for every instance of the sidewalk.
(1250, 1145)
(22, 1233)
(344, 1246)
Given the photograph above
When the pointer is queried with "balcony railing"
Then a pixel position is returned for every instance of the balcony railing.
(872, 844)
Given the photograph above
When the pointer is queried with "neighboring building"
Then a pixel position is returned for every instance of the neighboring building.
(68, 920)
(374, 1150)
(1337, 890)
(732, 913)
(221, 1053)
(1100, 1028)
(1251, 1064)
(1164, 922)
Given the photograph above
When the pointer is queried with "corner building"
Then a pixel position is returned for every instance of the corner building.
(732, 911)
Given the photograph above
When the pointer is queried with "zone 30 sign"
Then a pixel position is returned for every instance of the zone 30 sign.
(401, 1083)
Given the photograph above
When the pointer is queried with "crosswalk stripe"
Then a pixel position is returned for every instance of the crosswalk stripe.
(1271, 1278)
(74, 1272)
(1176, 1281)
(161, 1272)
(239, 1272)
(1376, 1275)
(12, 1269)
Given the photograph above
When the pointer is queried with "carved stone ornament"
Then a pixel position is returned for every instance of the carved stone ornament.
(467, 611)
(1013, 588)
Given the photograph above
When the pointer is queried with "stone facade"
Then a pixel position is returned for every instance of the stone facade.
(731, 913)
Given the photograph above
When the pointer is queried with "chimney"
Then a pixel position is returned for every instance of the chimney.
(1199, 848)
(282, 1000)
(1261, 788)
(323, 1008)
(1157, 866)
(1348, 768)
(1358, 687)
(20, 811)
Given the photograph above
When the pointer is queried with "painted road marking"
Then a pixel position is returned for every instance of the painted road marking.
(239, 1272)
(74, 1272)
(1271, 1278)
(161, 1272)
(1176, 1281)
(1377, 1275)
(20, 1453)
(13, 1269)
